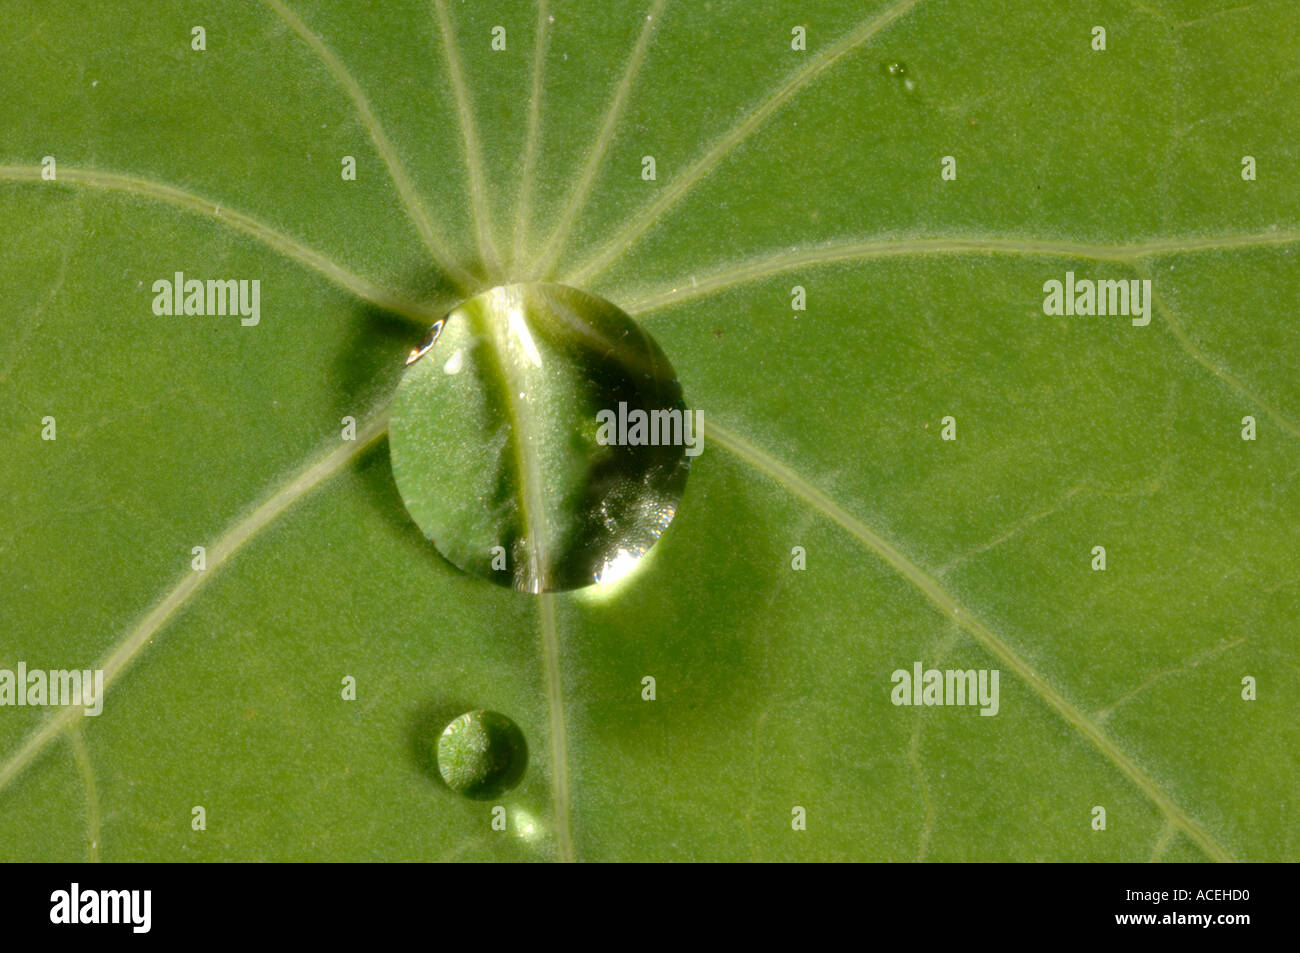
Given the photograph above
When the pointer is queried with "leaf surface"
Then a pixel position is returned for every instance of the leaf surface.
(774, 168)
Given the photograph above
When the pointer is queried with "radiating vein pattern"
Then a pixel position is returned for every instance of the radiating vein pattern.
(1102, 728)
(436, 245)
(712, 158)
(469, 134)
(578, 196)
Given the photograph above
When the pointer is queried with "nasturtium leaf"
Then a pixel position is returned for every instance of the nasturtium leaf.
(909, 462)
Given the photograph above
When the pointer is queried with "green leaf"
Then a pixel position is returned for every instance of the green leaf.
(773, 686)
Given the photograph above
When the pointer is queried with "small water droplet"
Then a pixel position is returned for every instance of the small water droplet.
(898, 71)
(482, 754)
(504, 452)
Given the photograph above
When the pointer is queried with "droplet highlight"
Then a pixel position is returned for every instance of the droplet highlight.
(899, 71)
(540, 439)
(482, 754)
(430, 339)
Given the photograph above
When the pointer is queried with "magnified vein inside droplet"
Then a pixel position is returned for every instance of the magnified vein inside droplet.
(542, 441)
(512, 356)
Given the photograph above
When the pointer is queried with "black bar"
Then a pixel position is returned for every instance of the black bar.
(335, 901)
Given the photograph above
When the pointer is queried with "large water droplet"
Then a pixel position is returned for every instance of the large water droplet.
(482, 754)
(502, 445)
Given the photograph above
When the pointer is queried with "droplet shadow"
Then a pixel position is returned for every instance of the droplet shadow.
(367, 370)
(716, 670)
(654, 622)
(369, 366)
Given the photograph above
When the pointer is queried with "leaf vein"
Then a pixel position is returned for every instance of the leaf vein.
(1214, 367)
(469, 135)
(753, 120)
(525, 193)
(397, 172)
(559, 747)
(81, 755)
(926, 584)
(277, 241)
(578, 197)
(729, 276)
(126, 651)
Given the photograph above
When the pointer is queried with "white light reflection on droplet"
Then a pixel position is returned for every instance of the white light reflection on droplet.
(623, 562)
